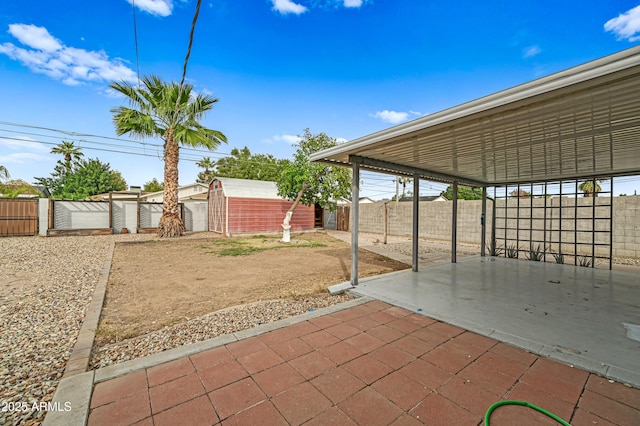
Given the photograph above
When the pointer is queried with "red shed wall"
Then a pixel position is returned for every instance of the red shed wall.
(250, 215)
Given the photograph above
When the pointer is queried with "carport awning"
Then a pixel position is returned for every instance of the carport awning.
(582, 122)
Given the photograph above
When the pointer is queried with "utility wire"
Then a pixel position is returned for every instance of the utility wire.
(135, 38)
(191, 158)
(144, 144)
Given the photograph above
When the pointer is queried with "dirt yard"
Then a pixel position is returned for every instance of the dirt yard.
(157, 283)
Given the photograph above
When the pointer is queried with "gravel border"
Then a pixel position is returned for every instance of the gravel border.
(226, 321)
(47, 285)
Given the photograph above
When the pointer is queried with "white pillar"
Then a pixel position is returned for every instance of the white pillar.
(416, 216)
(454, 222)
(483, 223)
(355, 217)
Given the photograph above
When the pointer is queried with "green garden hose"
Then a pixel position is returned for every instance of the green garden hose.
(525, 404)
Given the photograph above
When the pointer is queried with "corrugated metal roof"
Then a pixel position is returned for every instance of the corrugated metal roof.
(582, 122)
(246, 188)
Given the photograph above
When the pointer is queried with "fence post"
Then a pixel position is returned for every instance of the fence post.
(51, 214)
(386, 221)
(111, 211)
(138, 214)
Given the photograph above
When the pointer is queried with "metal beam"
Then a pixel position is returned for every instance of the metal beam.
(454, 222)
(355, 217)
(416, 217)
(394, 168)
(483, 223)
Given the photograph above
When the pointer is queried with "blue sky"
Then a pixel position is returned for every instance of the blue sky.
(344, 67)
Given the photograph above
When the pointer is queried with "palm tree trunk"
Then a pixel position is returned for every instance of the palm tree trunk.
(170, 224)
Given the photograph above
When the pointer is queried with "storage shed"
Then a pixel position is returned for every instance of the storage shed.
(242, 206)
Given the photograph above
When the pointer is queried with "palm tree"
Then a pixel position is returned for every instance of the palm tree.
(4, 173)
(69, 151)
(206, 163)
(172, 112)
(404, 181)
(591, 187)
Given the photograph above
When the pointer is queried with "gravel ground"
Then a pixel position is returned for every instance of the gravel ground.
(208, 326)
(46, 285)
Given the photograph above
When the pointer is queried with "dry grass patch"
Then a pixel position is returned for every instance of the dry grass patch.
(162, 282)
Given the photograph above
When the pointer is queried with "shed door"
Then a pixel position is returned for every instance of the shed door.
(216, 208)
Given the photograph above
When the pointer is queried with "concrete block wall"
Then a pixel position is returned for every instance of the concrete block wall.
(552, 224)
(434, 222)
(626, 227)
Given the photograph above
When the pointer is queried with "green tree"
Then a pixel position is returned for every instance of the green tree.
(242, 164)
(207, 164)
(310, 183)
(153, 186)
(4, 173)
(172, 112)
(590, 188)
(464, 193)
(69, 151)
(90, 178)
(86, 178)
(55, 183)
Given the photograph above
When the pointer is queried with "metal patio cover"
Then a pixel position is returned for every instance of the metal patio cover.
(578, 123)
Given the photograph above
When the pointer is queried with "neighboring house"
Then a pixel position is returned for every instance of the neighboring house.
(131, 195)
(192, 192)
(347, 202)
(242, 206)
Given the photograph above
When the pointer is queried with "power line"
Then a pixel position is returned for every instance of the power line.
(135, 37)
(193, 158)
(76, 136)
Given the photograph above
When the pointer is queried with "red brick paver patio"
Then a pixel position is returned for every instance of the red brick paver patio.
(373, 364)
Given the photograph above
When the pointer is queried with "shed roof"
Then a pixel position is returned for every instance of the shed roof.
(247, 188)
(581, 122)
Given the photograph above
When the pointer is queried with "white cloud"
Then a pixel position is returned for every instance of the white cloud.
(626, 25)
(25, 150)
(352, 3)
(22, 158)
(73, 66)
(35, 37)
(394, 117)
(154, 7)
(531, 51)
(287, 6)
(290, 139)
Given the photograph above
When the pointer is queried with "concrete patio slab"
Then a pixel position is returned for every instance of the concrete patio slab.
(573, 314)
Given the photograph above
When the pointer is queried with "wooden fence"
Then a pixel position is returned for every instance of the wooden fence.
(18, 217)
(342, 218)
